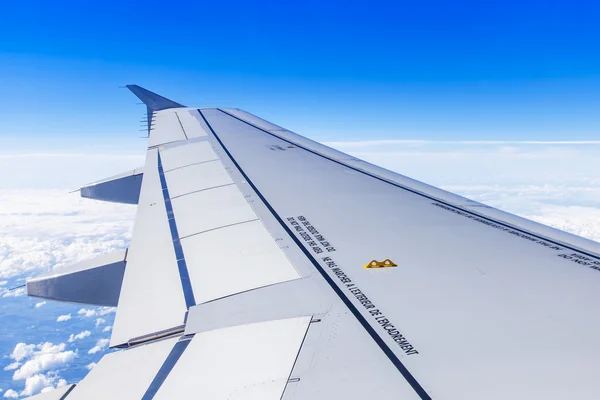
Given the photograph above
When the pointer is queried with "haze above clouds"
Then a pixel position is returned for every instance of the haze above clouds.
(555, 183)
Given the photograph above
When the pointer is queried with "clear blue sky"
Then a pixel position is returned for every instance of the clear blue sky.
(333, 71)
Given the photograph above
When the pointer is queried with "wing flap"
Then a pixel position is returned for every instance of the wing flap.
(190, 125)
(239, 363)
(196, 238)
(188, 154)
(234, 259)
(124, 374)
(250, 361)
(206, 210)
(151, 298)
(196, 177)
(167, 129)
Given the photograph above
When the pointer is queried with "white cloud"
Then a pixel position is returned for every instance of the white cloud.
(87, 313)
(90, 312)
(100, 346)
(42, 383)
(90, 366)
(46, 356)
(552, 182)
(79, 336)
(40, 304)
(44, 230)
(36, 360)
(35, 384)
(14, 292)
(107, 328)
(11, 394)
(574, 208)
(107, 310)
(100, 321)
(22, 351)
(63, 318)
(12, 366)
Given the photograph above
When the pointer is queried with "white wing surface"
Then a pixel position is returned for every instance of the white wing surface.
(250, 276)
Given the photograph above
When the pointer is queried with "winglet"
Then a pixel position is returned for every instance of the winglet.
(153, 101)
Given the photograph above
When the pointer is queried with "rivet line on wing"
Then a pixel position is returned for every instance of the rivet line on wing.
(167, 366)
(184, 275)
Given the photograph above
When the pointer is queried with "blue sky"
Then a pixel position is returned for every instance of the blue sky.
(332, 71)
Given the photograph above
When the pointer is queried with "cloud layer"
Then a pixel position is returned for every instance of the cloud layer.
(555, 183)
(101, 345)
(45, 230)
(477, 163)
(50, 229)
(37, 366)
(41, 358)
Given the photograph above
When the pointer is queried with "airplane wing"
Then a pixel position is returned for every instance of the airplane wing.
(264, 265)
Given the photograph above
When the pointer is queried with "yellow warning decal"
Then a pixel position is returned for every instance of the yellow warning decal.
(381, 264)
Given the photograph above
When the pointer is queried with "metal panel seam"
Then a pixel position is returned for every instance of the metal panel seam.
(360, 318)
(507, 225)
(203, 190)
(166, 368)
(189, 165)
(184, 275)
(180, 124)
(64, 396)
(220, 227)
(296, 359)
